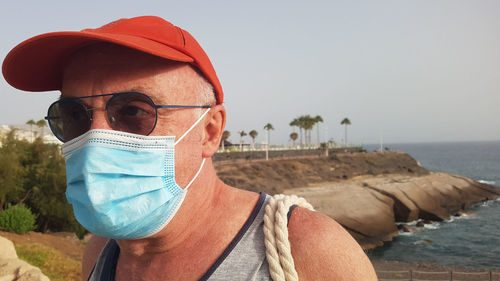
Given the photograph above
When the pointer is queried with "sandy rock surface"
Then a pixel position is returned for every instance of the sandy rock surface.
(14, 269)
(365, 213)
(368, 207)
(432, 197)
(8, 251)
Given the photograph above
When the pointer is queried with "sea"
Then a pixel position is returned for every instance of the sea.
(470, 240)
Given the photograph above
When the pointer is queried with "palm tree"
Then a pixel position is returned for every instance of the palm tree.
(41, 124)
(297, 122)
(302, 124)
(253, 134)
(294, 123)
(268, 127)
(293, 137)
(345, 122)
(225, 136)
(318, 120)
(31, 122)
(242, 134)
(308, 124)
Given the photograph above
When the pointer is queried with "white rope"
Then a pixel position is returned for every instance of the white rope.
(278, 252)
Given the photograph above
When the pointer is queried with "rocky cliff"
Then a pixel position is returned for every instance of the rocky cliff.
(368, 193)
(275, 176)
(14, 269)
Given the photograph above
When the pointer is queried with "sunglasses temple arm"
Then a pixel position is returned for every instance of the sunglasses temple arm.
(182, 106)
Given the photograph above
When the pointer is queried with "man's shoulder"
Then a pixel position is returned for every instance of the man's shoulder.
(323, 250)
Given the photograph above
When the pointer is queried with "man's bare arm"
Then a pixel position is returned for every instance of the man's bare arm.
(324, 250)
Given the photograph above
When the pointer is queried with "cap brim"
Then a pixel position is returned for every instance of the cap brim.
(36, 64)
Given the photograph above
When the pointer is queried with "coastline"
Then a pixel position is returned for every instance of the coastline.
(367, 193)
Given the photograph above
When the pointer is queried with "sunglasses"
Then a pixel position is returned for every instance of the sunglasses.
(129, 112)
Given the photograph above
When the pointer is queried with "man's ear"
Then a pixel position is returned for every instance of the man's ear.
(214, 127)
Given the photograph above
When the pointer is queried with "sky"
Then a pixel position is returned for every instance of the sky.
(401, 71)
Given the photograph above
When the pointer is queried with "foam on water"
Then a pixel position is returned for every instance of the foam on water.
(433, 225)
(462, 216)
(487, 182)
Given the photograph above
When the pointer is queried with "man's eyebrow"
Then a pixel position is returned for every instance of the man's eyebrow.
(141, 89)
(138, 89)
(152, 92)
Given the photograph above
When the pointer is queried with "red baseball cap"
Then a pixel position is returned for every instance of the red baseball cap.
(36, 64)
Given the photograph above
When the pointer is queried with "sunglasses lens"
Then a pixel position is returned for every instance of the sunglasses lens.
(68, 119)
(127, 112)
(132, 113)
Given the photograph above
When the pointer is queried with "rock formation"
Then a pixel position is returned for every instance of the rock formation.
(275, 176)
(14, 269)
(367, 214)
(369, 207)
(368, 193)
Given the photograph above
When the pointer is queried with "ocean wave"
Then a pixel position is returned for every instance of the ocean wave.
(486, 203)
(461, 216)
(423, 242)
(412, 225)
(413, 228)
(433, 225)
(466, 215)
(487, 182)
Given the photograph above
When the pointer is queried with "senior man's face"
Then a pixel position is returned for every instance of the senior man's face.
(109, 69)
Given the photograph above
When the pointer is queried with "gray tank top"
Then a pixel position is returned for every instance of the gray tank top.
(243, 259)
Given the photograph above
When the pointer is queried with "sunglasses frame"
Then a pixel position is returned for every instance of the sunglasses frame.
(113, 96)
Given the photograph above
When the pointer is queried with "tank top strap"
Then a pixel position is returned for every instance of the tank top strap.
(245, 257)
(105, 267)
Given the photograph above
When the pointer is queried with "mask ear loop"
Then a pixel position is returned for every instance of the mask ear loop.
(197, 173)
(194, 125)
(203, 161)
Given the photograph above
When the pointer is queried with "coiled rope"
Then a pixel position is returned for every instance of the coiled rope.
(278, 251)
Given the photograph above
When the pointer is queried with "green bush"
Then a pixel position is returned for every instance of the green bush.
(18, 219)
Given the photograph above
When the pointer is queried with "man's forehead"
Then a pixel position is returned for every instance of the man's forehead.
(119, 68)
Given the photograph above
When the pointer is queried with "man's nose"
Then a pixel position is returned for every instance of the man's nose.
(99, 119)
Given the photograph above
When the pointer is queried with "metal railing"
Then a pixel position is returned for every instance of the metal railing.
(417, 275)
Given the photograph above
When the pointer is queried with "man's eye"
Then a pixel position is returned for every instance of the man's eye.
(73, 112)
(131, 111)
(134, 111)
(77, 115)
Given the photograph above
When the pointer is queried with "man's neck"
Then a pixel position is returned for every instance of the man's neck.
(196, 212)
(208, 220)
(210, 217)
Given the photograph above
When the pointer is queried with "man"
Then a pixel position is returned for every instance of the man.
(140, 116)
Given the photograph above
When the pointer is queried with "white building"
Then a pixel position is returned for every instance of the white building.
(29, 133)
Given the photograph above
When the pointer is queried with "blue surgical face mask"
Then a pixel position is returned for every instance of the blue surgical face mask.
(122, 185)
